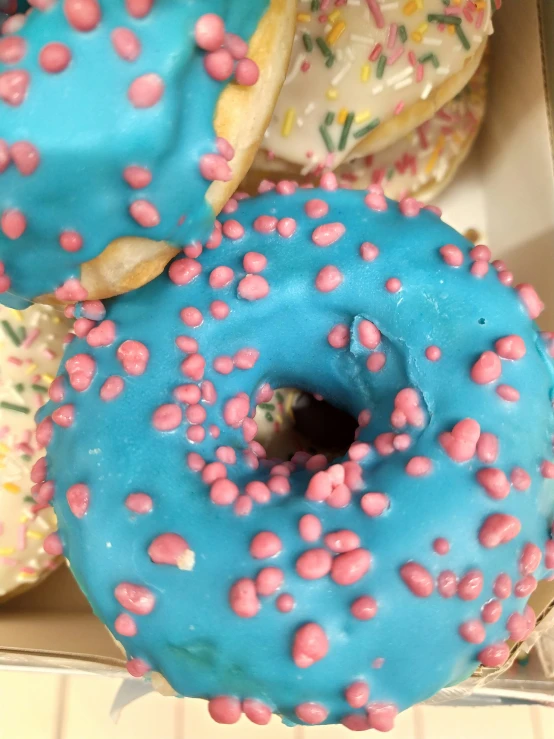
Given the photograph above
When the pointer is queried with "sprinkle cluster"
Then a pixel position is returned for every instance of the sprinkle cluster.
(95, 138)
(308, 587)
(356, 65)
(30, 353)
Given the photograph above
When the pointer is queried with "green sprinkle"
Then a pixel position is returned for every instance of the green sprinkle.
(308, 42)
(390, 173)
(403, 34)
(280, 396)
(315, 5)
(268, 416)
(448, 20)
(13, 407)
(366, 129)
(40, 388)
(20, 387)
(267, 406)
(22, 333)
(430, 57)
(26, 457)
(329, 118)
(463, 38)
(11, 333)
(381, 66)
(346, 131)
(29, 499)
(325, 50)
(327, 139)
(330, 61)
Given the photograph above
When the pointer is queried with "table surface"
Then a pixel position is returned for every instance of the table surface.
(43, 706)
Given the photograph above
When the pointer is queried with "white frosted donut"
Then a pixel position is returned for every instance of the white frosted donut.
(31, 345)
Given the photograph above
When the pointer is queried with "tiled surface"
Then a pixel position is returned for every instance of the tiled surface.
(37, 706)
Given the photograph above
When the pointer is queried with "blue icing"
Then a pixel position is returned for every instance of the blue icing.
(87, 131)
(192, 635)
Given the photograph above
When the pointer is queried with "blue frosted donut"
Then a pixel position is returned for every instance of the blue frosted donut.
(323, 593)
(105, 133)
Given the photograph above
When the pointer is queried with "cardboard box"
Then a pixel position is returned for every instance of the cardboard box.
(505, 190)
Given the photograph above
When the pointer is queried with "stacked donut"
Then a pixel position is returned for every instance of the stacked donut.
(381, 95)
(324, 590)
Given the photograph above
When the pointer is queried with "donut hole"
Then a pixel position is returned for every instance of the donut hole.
(295, 420)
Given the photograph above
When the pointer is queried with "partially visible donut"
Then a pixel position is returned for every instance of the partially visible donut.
(31, 346)
(364, 74)
(421, 164)
(323, 593)
(116, 149)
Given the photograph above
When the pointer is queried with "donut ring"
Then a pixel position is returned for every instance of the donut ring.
(321, 593)
(104, 169)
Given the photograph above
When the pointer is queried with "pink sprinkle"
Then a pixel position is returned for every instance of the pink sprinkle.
(25, 156)
(71, 241)
(169, 549)
(357, 694)
(486, 369)
(236, 45)
(236, 410)
(473, 631)
(193, 366)
(126, 44)
(520, 626)
(78, 499)
(145, 214)
(393, 285)
(221, 277)
(247, 72)
(369, 334)
(441, 546)
(530, 559)
(285, 603)
(83, 15)
(447, 584)
(310, 645)
(12, 49)
(460, 444)
(209, 32)
(339, 336)
(547, 469)
(214, 168)
(224, 365)
(225, 148)
(219, 310)
(452, 255)
(209, 394)
(381, 716)
(491, 612)
(102, 335)
(139, 503)
(256, 711)
(479, 268)
(71, 291)
(13, 224)
(192, 317)
(310, 527)
(44, 432)
(134, 357)
(375, 362)
(137, 667)
(510, 347)
(525, 587)
(368, 252)
(487, 448)
(14, 86)
(316, 208)
(495, 655)
(418, 579)
(243, 598)
(471, 585)
(409, 207)
(167, 417)
(494, 481)
(328, 279)
(54, 58)
(125, 624)
(224, 709)
(508, 393)
(364, 608)
(286, 227)
(253, 287)
(254, 262)
(499, 528)
(195, 462)
(81, 369)
(358, 451)
(314, 564)
(350, 567)
(419, 466)
(342, 541)
(269, 580)
(137, 177)
(529, 298)
(433, 353)
(328, 233)
(503, 586)
(374, 504)
(135, 598)
(258, 491)
(146, 91)
(53, 545)
(311, 713)
(63, 416)
(520, 479)
(223, 492)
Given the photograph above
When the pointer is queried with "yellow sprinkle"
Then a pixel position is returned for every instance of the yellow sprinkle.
(423, 27)
(4, 449)
(332, 93)
(35, 535)
(30, 369)
(6, 551)
(11, 487)
(48, 378)
(342, 115)
(410, 7)
(288, 123)
(362, 116)
(336, 32)
(28, 576)
(434, 156)
(16, 314)
(56, 319)
(419, 4)
(303, 17)
(334, 15)
(365, 72)
(416, 37)
(451, 30)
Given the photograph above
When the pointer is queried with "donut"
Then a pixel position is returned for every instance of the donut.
(31, 346)
(362, 76)
(421, 164)
(116, 150)
(324, 593)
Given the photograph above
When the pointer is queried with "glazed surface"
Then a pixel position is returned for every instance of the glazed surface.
(421, 546)
(102, 131)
